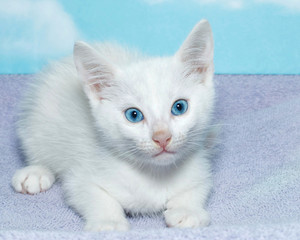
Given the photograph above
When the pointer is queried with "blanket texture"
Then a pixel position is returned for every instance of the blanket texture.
(256, 170)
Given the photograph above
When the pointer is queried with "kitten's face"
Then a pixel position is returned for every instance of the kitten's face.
(154, 115)
(155, 111)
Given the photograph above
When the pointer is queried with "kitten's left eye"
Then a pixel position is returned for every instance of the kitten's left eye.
(179, 107)
(134, 115)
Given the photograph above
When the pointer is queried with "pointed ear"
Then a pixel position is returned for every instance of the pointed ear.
(93, 70)
(196, 53)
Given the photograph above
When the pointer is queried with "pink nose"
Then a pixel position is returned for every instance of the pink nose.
(162, 138)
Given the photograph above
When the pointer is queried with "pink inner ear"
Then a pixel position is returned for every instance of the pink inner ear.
(202, 69)
(96, 89)
(199, 70)
(98, 79)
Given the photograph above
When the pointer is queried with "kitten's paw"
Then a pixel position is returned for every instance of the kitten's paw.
(107, 226)
(185, 218)
(32, 180)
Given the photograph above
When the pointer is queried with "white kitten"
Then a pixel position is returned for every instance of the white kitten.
(123, 132)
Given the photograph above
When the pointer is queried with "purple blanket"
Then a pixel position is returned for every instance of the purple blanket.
(256, 170)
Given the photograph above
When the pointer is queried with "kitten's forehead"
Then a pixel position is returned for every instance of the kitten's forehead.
(152, 74)
(153, 78)
(152, 82)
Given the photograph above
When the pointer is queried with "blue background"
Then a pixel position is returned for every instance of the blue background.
(251, 37)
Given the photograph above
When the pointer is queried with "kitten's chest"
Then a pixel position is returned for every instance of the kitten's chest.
(145, 200)
(139, 194)
(142, 195)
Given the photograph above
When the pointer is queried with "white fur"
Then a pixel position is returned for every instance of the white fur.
(73, 126)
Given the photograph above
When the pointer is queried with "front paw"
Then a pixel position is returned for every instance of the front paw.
(185, 218)
(107, 225)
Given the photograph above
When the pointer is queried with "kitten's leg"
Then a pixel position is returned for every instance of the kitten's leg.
(100, 210)
(187, 209)
(32, 179)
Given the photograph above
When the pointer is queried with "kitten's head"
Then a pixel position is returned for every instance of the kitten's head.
(152, 110)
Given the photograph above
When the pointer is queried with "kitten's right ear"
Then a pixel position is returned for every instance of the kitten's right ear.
(93, 70)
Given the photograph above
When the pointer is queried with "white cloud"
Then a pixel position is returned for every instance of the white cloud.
(293, 5)
(36, 27)
(232, 4)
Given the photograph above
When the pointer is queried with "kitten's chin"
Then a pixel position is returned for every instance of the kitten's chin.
(164, 158)
(163, 152)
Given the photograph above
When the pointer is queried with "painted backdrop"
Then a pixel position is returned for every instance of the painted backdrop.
(251, 36)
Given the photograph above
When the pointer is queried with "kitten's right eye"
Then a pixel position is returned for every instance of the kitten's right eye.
(134, 115)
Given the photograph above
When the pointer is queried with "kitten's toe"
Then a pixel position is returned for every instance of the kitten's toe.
(32, 180)
(31, 184)
(107, 226)
(185, 218)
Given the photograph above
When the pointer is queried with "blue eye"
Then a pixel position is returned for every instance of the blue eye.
(134, 115)
(179, 107)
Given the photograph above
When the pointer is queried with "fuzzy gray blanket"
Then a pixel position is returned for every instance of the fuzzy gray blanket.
(256, 170)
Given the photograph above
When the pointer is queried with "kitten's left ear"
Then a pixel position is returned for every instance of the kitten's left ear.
(196, 53)
(94, 71)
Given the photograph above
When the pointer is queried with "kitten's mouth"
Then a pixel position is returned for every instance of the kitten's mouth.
(164, 151)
